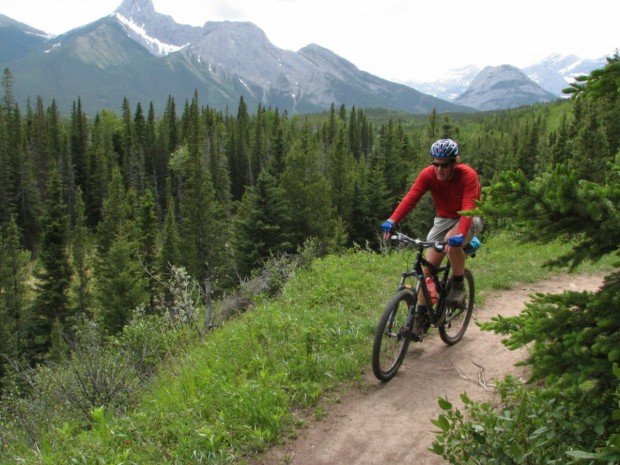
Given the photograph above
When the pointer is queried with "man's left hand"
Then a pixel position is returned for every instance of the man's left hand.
(456, 241)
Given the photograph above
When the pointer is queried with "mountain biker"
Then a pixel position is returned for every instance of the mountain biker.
(454, 187)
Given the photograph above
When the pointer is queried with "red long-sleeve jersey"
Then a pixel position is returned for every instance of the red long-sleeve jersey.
(459, 193)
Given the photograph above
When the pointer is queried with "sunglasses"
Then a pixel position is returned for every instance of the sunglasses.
(441, 165)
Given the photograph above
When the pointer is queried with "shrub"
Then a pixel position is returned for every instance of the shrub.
(570, 415)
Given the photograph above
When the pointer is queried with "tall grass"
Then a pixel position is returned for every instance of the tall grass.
(233, 393)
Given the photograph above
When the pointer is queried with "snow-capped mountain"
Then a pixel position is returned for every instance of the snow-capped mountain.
(500, 87)
(450, 86)
(557, 71)
(143, 55)
(553, 74)
(158, 33)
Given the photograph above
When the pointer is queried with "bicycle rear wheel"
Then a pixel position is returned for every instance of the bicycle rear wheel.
(392, 336)
(456, 317)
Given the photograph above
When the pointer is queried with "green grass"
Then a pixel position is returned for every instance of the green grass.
(233, 393)
(503, 263)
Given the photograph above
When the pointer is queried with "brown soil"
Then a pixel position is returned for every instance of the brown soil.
(377, 423)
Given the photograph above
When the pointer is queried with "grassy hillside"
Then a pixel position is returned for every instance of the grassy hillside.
(233, 393)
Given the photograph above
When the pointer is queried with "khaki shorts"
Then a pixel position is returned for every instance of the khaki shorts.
(441, 226)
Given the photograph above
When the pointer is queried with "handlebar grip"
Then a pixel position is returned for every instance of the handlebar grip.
(439, 246)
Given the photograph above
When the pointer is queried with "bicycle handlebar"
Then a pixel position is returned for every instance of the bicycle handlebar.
(419, 244)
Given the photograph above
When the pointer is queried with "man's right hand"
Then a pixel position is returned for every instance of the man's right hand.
(388, 229)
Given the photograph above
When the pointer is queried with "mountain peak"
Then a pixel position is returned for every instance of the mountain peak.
(557, 71)
(157, 32)
(132, 8)
(6, 21)
(504, 86)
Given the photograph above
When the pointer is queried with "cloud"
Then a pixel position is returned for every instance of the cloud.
(227, 11)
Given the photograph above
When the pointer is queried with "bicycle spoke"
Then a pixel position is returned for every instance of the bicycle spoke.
(457, 319)
(392, 337)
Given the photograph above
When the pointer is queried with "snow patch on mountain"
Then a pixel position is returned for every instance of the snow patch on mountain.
(556, 71)
(43, 35)
(450, 86)
(160, 48)
(56, 45)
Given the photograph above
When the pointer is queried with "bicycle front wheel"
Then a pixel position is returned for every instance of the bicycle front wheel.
(457, 317)
(392, 336)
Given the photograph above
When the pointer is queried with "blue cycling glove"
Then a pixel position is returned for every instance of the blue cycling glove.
(456, 241)
(388, 226)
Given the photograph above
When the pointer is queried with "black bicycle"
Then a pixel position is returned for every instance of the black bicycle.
(402, 322)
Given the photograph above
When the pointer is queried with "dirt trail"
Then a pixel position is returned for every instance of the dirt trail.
(380, 423)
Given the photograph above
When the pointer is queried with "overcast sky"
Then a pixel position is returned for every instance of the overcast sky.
(395, 39)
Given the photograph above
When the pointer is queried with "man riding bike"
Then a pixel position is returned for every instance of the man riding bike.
(454, 187)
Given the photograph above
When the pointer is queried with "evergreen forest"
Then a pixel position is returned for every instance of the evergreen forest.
(110, 221)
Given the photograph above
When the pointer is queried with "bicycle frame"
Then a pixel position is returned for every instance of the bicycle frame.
(440, 280)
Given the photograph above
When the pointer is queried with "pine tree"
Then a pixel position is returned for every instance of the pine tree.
(7, 205)
(23, 186)
(448, 128)
(591, 157)
(102, 162)
(263, 224)
(258, 146)
(366, 135)
(55, 136)
(147, 245)
(170, 243)
(390, 160)
(13, 293)
(201, 227)
(372, 204)
(431, 128)
(7, 148)
(39, 148)
(132, 155)
(54, 276)
(155, 168)
(217, 161)
(240, 169)
(528, 149)
(561, 205)
(115, 213)
(601, 85)
(62, 156)
(339, 173)
(308, 191)
(80, 242)
(121, 284)
(8, 100)
(167, 133)
(79, 145)
(355, 146)
(332, 126)
(277, 157)
(559, 147)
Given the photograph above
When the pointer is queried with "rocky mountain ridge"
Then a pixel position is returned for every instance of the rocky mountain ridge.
(145, 56)
(553, 74)
(499, 87)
